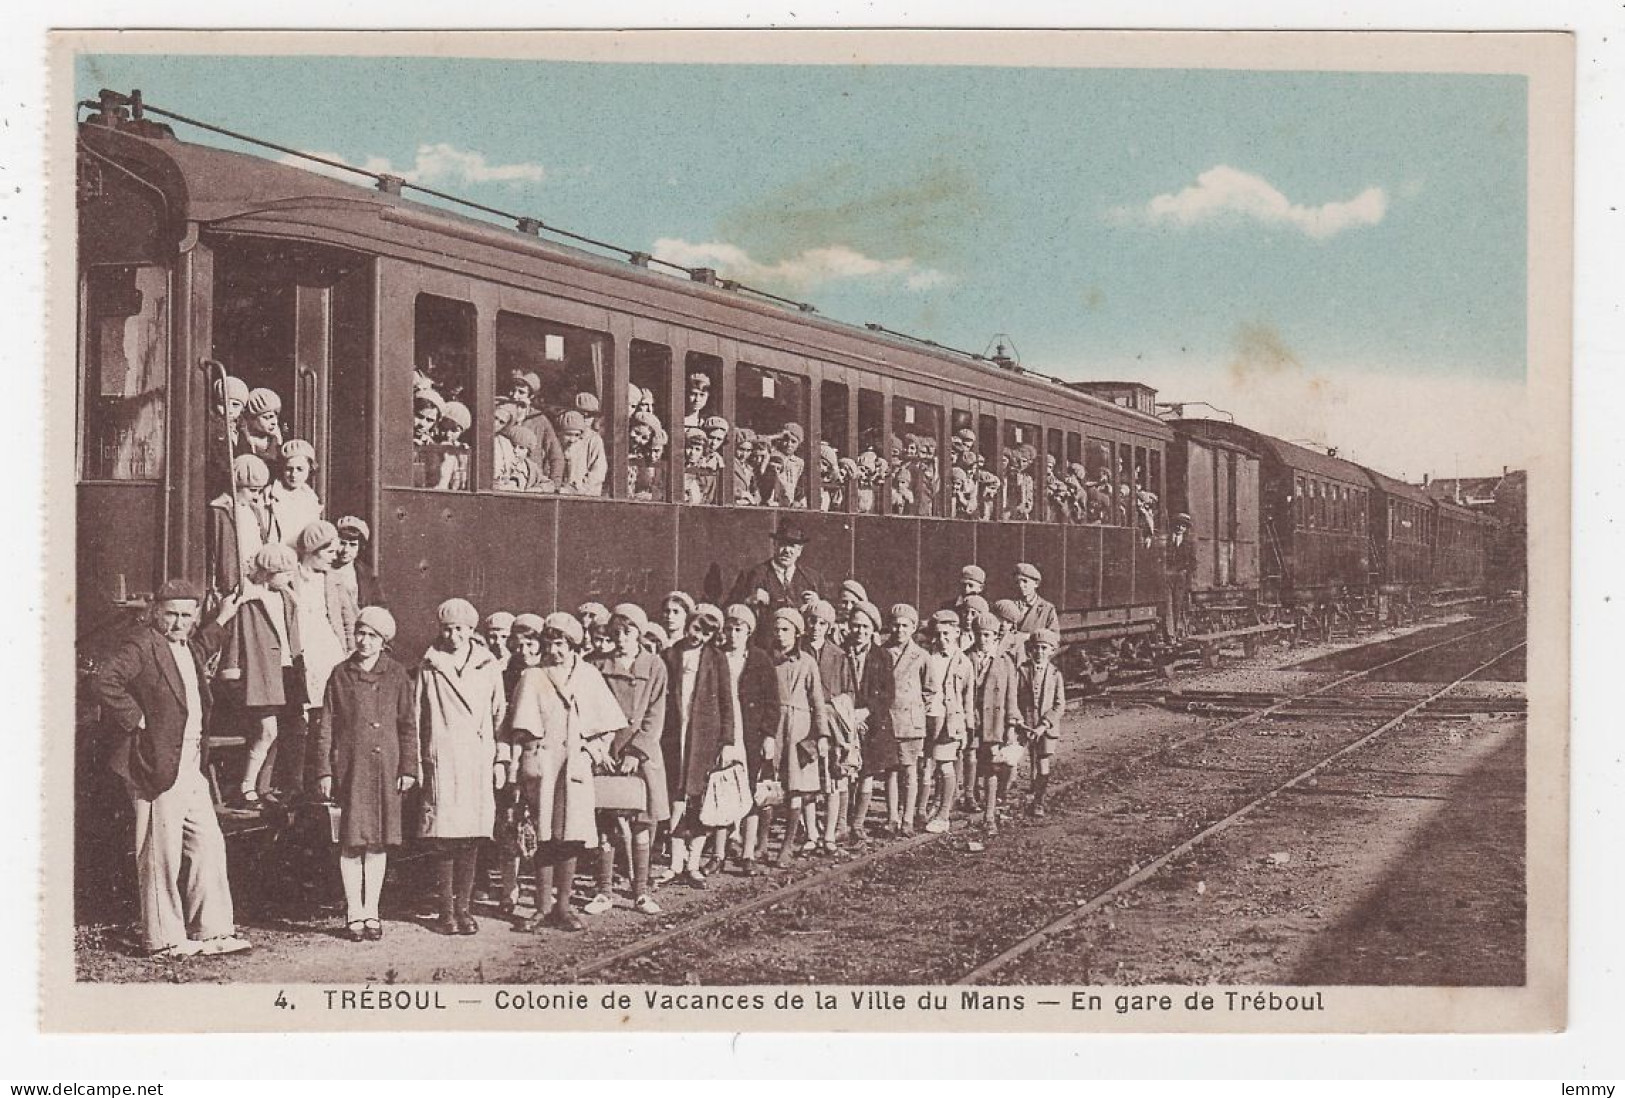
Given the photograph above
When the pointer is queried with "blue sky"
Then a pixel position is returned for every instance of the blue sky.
(1292, 243)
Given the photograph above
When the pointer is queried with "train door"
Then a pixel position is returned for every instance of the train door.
(134, 393)
(298, 320)
(1246, 524)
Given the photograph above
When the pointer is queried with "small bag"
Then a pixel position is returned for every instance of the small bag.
(727, 797)
(620, 793)
(769, 793)
(1009, 754)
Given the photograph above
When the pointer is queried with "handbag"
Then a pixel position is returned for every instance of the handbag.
(620, 793)
(769, 793)
(1009, 754)
(727, 797)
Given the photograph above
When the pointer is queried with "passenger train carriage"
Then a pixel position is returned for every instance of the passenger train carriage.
(340, 298)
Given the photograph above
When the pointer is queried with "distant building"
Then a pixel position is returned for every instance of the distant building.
(1501, 496)
(1124, 394)
(1505, 498)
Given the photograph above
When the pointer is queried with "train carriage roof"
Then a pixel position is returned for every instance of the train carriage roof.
(1400, 490)
(1294, 457)
(238, 191)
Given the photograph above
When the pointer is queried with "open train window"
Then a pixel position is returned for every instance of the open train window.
(708, 442)
(916, 448)
(870, 493)
(551, 381)
(124, 356)
(771, 406)
(837, 473)
(990, 495)
(1099, 495)
(1051, 469)
(1018, 466)
(963, 452)
(648, 403)
(443, 427)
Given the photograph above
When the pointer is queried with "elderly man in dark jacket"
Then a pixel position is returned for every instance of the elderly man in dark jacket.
(155, 694)
(779, 581)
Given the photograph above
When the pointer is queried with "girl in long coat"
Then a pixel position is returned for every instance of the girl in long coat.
(840, 762)
(872, 676)
(803, 725)
(263, 659)
(367, 760)
(756, 696)
(560, 716)
(460, 707)
(638, 681)
(699, 725)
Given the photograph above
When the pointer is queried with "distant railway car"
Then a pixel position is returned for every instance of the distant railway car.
(1312, 526)
(345, 300)
(1402, 526)
(1463, 541)
(1215, 481)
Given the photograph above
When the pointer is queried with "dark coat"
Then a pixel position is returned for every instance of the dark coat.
(641, 693)
(762, 576)
(834, 669)
(366, 740)
(1042, 700)
(225, 562)
(142, 684)
(1040, 615)
(758, 709)
(996, 706)
(874, 693)
(690, 758)
(253, 655)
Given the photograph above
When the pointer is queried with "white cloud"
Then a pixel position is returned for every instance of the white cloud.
(804, 271)
(434, 164)
(1223, 192)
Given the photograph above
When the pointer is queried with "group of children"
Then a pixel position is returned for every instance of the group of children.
(534, 449)
(820, 707)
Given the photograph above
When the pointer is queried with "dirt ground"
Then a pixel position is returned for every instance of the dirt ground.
(936, 910)
(1403, 864)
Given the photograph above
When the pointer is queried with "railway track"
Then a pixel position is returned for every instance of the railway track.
(1270, 706)
(1031, 941)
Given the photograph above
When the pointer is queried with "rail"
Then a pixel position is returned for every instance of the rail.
(644, 946)
(1031, 941)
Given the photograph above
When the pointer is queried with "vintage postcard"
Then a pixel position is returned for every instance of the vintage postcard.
(999, 531)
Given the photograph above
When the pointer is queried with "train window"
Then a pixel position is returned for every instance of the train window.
(1051, 471)
(872, 466)
(649, 402)
(989, 487)
(1098, 491)
(551, 380)
(702, 388)
(1300, 509)
(837, 472)
(1156, 487)
(443, 429)
(1017, 466)
(916, 447)
(963, 489)
(772, 406)
(708, 442)
(125, 359)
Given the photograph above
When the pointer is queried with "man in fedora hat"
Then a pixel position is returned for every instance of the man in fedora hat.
(155, 698)
(780, 580)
